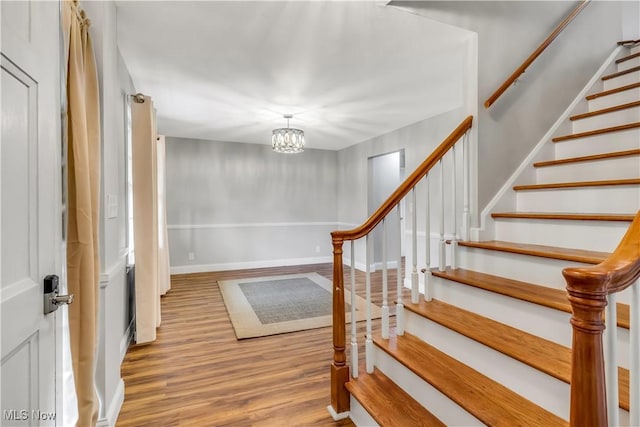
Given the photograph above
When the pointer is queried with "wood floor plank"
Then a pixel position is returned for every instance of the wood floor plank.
(197, 374)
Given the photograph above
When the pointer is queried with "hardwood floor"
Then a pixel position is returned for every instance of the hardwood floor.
(197, 374)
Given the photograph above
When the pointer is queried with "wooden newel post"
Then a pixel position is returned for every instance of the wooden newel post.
(588, 298)
(339, 368)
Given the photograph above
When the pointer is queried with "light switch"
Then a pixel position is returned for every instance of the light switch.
(112, 206)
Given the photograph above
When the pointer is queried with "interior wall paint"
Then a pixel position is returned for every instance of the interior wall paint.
(242, 203)
(114, 81)
(507, 33)
(418, 141)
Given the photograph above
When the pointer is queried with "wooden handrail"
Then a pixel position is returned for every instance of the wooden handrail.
(588, 289)
(625, 42)
(339, 368)
(406, 186)
(522, 68)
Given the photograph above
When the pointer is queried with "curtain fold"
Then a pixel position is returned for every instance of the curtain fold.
(164, 276)
(83, 166)
(145, 218)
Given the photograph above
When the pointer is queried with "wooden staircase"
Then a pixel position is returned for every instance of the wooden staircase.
(493, 347)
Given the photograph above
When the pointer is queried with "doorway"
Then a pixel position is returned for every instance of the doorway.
(385, 174)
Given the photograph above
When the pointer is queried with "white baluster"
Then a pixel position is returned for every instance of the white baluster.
(634, 366)
(427, 249)
(385, 283)
(399, 285)
(454, 213)
(415, 282)
(466, 216)
(442, 261)
(354, 338)
(611, 360)
(368, 349)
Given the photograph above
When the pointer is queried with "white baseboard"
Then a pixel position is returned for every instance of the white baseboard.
(114, 409)
(203, 268)
(125, 341)
(337, 416)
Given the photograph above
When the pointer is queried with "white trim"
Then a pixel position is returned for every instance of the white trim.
(125, 341)
(337, 416)
(480, 232)
(114, 409)
(203, 268)
(107, 277)
(252, 225)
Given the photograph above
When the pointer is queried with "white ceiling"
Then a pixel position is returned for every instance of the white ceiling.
(347, 71)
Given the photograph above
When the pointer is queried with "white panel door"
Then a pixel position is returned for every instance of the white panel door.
(30, 209)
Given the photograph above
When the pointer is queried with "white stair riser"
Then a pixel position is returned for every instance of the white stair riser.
(531, 269)
(612, 168)
(588, 235)
(605, 199)
(604, 143)
(530, 383)
(612, 100)
(629, 63)
(601, 121)
(635, 49)
(544, 322)
(359, 416)
(437, 403)
(623, 80)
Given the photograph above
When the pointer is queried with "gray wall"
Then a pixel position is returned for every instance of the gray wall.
(508, 31)
(115, 82)
(235, 205)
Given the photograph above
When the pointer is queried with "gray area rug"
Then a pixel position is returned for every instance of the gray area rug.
(280, 304)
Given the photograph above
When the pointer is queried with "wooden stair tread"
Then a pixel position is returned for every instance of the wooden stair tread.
(552, 252)
(605, 111)
(620, 73)
(549, 357)
(602, 156)
(612, 91)
(387, 403)
(565, 216)
(490, 402)
(627, 58)
(630, 181)
(529, 292)
(594, 132)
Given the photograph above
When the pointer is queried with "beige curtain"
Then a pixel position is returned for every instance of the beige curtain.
(164, 277)
(83, 156)
(149, 224)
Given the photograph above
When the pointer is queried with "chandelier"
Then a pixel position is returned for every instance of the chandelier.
(287, 140)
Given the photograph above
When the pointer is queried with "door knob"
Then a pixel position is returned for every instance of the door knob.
(62, 299)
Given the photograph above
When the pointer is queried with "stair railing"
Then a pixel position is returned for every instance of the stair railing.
(340, 371)
(527, 62)
(592, 392)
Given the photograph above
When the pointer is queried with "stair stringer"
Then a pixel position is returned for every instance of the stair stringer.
(505, 198)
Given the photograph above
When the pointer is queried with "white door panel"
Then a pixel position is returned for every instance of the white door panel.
(30, 214)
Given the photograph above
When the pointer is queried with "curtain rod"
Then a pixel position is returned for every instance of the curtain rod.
(138, 97)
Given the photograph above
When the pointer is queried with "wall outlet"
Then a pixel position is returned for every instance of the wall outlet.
(317, 249)
(192, 256)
